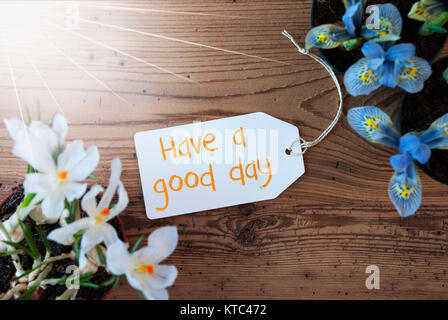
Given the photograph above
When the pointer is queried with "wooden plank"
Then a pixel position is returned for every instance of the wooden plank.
(317, 238)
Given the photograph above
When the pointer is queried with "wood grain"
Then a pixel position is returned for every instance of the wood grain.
(317, 238)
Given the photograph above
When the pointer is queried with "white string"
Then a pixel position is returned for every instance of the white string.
(305, 144)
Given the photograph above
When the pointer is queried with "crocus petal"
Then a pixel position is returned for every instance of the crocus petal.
(403, 51)
(163, 276)
(88, 202)
(109, 234)
(91, 237)
(374, 125)
(45, 134)
(14, 127)
(400, 162)
(327, 36)
(165, 241)
(412, 76)
(117, 258)
(37, 183)
(72, 155)
(151, 293)
(63, 235)
(372, 50)
(86, 166)
(405, 191)
(53, 204)
(114, 180)
(388, 79)
(60, 127)
(34, 151)
(359, 79)
(122, 203)
(74, 190)
(353, 18)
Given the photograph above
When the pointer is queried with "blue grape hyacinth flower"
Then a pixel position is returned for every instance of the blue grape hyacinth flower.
(398, 66)
(353, 30)
(405, 188)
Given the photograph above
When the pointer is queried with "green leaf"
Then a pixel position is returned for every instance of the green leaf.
(137, 244)
(90, 285)
(112, 281)
(30, 169)
(44, 238)
(27, 200)
(38, 109)
(27, 272)
(91, 176)
(19, 247)
(140, 294)
(7, 253)
(72, 208)
(28, 293)
(28, 115)
(76, 244)
(101, 255)
(29, 240)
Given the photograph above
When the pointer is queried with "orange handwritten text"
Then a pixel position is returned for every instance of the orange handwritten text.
(177, 183)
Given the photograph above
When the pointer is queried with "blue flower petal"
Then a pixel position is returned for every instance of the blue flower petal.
(408, 143)
(327, 36)
(440, 126)
(405, 191)
(422, 153)
(388, 79)
(412, 74)
(388, 28)
(403, 51)
(359, 79)
(353, 18)
(401, 161)
(374, 125)
(390, 19)
(373, 50)
(427, 10)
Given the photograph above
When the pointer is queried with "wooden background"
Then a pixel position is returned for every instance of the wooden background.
(316, 239)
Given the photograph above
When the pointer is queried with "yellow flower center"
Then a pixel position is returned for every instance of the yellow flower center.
(371, 123)
(366, 76)
(103, 213)
(420, 11)
(321, 38)
(62, 175)
(149, 269)
(405, 194)
(446, 131)
(411, 71)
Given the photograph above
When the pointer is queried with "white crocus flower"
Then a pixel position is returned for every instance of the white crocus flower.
(47, 138)
(95, 226)
(142, 267)
(39, 144)
(55, 182)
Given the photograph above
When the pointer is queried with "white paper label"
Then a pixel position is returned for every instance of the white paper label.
(215, 164)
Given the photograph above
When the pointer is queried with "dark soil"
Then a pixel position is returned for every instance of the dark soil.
(421, 109)
(51, 292)
(331, 11)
